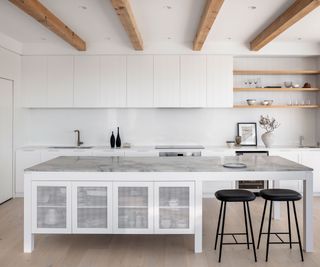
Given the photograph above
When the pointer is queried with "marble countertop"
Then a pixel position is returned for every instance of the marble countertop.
(166, 164)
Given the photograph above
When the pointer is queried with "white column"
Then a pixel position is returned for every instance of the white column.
(308, 213)
(198, 218)
(28, 236)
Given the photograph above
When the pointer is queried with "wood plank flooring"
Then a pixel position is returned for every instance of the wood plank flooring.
(149, 250)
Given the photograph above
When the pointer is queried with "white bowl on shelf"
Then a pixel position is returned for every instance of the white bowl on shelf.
(251, 102)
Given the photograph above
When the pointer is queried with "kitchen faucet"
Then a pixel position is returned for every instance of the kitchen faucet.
(79, 143)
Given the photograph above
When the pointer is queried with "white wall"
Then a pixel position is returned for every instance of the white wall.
(156, 126)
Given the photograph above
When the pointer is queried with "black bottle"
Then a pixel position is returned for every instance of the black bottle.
(118, 140)
(112, 140)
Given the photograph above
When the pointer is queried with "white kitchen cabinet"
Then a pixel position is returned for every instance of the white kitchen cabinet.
(140, 81)
(312, 160)
(166, 81)
(25, 158)
(34, 81)
(108, 153)
(293, 156)
(51, 207)
(174, 207)
(220, 81)
(133, 207)
(60, 81)
(141, 153)
(87, 91)
(193, 81)
(209, 188)
(113, 81)
(92, 207)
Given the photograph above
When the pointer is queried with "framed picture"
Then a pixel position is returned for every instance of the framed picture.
(248, 133)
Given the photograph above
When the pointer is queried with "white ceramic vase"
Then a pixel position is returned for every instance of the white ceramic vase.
(267, 139)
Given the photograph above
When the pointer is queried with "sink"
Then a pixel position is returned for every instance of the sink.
(70, 147)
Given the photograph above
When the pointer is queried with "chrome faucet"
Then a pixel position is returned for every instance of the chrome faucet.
(301, 139)
(79, 143)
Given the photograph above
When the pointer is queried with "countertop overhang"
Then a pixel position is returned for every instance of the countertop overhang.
(167, 164)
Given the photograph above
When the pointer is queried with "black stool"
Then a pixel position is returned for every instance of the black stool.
(286, 195)
(235, 196)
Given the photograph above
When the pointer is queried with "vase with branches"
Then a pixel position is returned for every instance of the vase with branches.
(269, 125)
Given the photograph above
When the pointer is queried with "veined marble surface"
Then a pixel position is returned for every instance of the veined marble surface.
(166, 164)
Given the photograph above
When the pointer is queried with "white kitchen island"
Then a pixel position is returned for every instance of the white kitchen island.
(153, 195)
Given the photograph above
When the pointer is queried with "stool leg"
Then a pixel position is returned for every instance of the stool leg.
(262, 220)
(218, 226)
(222, 230)
(269, 228)
(289, 225)
(252, 237)
(246, 222)
(298, 232)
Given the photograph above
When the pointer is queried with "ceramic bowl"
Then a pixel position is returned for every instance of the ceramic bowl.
(251, 102)
(267, 102)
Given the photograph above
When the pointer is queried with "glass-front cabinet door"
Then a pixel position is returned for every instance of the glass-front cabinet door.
(51, 207)
(133, 207)
(174, 207)
(92, 207)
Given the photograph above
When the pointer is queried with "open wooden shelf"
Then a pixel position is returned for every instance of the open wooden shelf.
(278, 106)
(276, 72)
(238, 89)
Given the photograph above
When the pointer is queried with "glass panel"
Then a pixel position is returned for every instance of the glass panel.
(51, 196)
(92, 218)
(174, 196)
(92, 196)
(174, 218)
(133, 218)
(51, 217)
(133, 196)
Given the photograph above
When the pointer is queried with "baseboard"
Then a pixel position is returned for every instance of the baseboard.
(17, 195)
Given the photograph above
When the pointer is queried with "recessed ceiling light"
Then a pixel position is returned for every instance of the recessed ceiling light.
(252, 7)
(83, 7)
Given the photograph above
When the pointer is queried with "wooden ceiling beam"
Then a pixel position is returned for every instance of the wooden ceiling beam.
(207, 19)
(294, 13)
(124, 11)
(40, 13)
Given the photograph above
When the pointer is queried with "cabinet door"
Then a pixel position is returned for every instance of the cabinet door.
(133, 207)
(51, 207)
(87, 81)
(293, 156)
(24, 159)
(34, 81)
(92, 207)
(174, 207)
(193, 81)
(113, 81)
(219, 81)
(312, 160)
(140, 81)
(166, 81)
(60, 81)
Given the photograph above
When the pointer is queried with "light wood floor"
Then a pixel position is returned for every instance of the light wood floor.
(148, 250)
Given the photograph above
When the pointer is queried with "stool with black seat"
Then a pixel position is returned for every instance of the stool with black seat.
(283, 195)
(235, 195)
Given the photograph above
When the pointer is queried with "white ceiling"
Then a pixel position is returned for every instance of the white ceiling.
(171, 22)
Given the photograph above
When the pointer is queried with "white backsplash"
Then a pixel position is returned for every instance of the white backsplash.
(162, 126)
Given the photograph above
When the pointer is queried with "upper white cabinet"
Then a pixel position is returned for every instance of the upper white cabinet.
(60, 81)
(140, 81)
(87, 81)
(193, 81)
(219, 81)
(34, 81)
(166, 81)
(113, 81)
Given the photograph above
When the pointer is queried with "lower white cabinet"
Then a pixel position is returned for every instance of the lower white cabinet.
(174, 207)
(133, 207)
(312, 160)
(51, 207)
(92, 207)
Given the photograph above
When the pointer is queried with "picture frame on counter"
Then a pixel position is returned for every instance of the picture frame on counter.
(248, 133)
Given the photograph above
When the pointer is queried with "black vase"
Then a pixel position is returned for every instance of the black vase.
(112, 140)
(118, 140)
